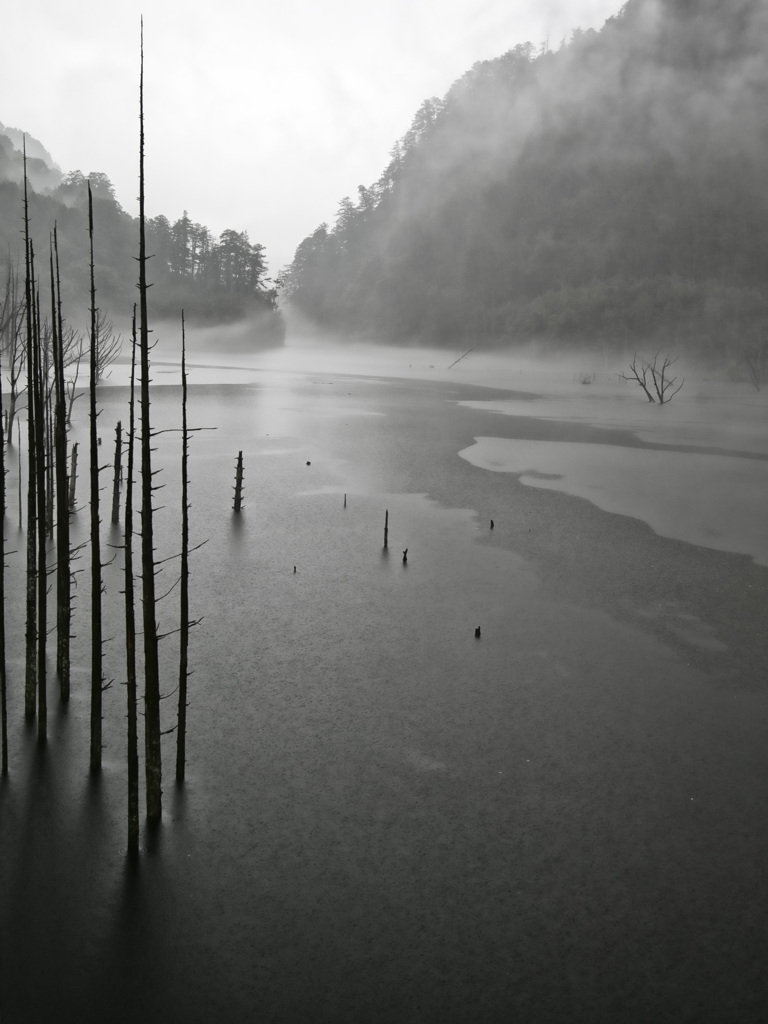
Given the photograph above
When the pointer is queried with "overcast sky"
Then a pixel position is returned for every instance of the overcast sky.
(259, 117)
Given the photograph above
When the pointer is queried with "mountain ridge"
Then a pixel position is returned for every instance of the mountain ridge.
(609, 192)
(214, 280)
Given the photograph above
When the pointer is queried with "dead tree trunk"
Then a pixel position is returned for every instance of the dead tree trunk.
(18, 438)
(63, 566)
(130, 627)
(117, 474)
(153, 761)
(238, 483)
(96, 631)
(181, 732)
(73, 478)
(386, 528)
(30, 684)
(49, 455)
(37, 397)
(3, 680)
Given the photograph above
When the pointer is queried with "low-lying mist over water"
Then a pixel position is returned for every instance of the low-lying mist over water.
(574, 424)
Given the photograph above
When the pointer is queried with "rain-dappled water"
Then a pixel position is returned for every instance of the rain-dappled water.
(385, 818)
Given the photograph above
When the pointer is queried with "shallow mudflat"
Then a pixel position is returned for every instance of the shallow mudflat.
(385, 818)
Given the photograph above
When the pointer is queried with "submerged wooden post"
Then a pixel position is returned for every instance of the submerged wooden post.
(386, 527)
(238, 483)
(73, 477)
(117, 475)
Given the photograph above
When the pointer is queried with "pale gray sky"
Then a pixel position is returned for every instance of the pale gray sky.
(258, 116)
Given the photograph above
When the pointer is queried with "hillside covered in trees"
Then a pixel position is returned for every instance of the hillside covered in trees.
(613, 192)
(214, 280)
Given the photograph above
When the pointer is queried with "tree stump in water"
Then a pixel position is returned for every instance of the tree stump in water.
(117, 474)
(238, 483)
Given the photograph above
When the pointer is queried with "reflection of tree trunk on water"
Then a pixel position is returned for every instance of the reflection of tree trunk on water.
(151, 668)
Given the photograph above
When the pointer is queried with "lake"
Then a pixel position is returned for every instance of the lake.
(387, 818)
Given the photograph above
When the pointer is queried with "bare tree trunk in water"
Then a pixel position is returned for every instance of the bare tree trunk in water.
(96, 636)
(63, 566)
(3, 680)
(116, 481)
(30, 686)
(238, 483)
(181, 732)
(73, 478)
(18, 439)
(130, 628)
(49, 457)
(37, 396)
(153, 761)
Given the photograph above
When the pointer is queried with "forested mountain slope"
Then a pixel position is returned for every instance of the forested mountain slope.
(214, 280)
(613, 191)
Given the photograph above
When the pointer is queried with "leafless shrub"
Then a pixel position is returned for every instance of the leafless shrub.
(652, 376)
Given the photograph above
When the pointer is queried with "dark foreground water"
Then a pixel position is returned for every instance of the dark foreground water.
(386, 819)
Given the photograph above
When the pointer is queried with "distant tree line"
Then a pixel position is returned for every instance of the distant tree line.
(612, 191)
(225, 274)
(215, 279)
